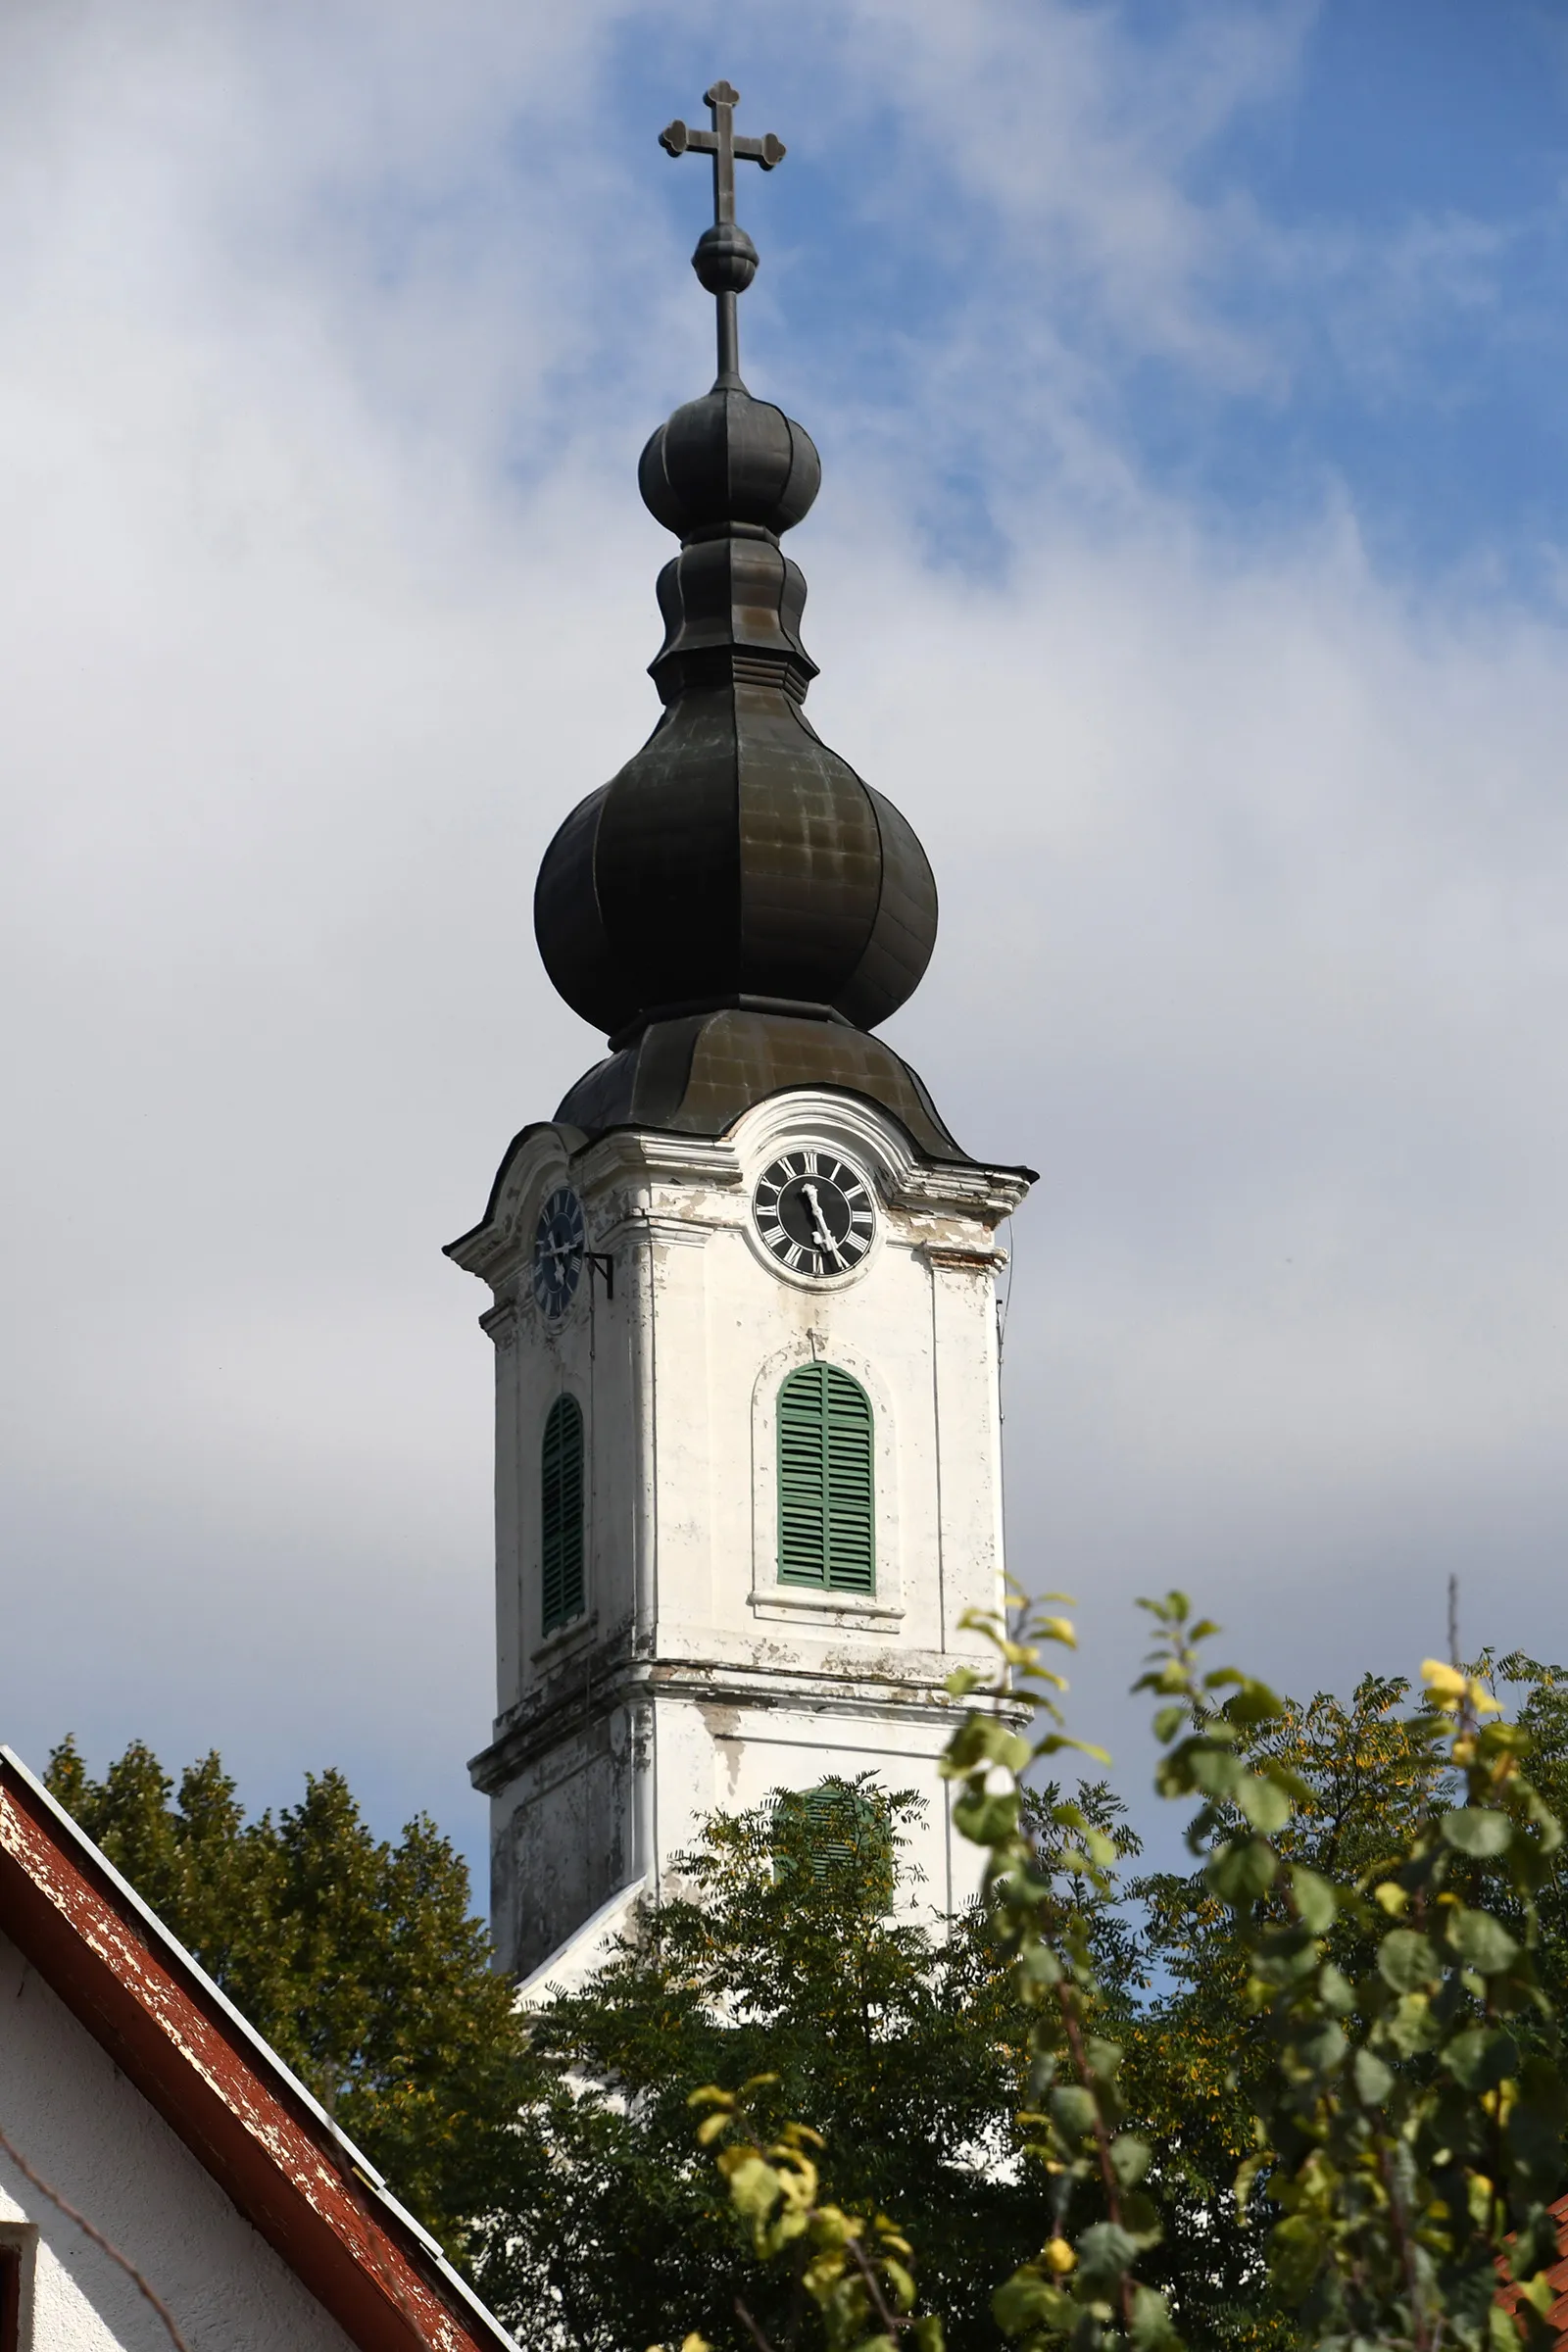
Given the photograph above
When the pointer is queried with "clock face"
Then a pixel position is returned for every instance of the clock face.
(815, 1212)
(557, 1252)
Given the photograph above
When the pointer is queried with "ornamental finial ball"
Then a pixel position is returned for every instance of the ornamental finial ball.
(725, 260)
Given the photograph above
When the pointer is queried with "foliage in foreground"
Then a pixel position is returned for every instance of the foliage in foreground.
(777, 1955)
(883, 2063)
(357, 1960)
(1406, 2112)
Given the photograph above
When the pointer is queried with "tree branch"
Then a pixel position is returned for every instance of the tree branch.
(9, 2148)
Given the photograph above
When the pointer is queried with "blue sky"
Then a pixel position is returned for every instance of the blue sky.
(1374, 204)
(1189, 565)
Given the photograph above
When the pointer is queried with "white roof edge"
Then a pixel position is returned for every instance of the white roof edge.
(77, 1837)
(562, 1957)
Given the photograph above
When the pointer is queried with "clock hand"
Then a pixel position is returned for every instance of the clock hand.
(820, 1221)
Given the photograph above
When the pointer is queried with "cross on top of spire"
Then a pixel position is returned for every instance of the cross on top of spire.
(723, 146)
(725, 259)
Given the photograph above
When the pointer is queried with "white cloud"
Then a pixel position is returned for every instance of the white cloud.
(322, 369)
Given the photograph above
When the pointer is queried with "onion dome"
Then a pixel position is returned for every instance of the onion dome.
(736, 865)
(728, 462)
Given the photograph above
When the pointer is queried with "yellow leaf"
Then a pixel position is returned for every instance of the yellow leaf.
(754, 2188)
(903, 2286)
(1058, 2256)
(710, 2096)
(1442, 1680)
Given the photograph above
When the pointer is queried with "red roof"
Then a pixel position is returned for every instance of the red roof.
(276, 2154)
(1556, 2280)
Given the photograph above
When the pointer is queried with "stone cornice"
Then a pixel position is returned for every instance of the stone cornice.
(920, 1694)
(638, 1163)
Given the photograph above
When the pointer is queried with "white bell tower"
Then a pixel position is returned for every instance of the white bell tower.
(699, 1667)
(748, 1429)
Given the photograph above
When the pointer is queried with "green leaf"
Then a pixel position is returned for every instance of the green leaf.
(983, 1740)
(1106, 2254)
(986, 1819)
(1168, 1722)
(1412, 2025)
(1334, 1990)
(1406, 1961)
(1483, 1942)
(1316, 1899)
(1129, 2158)
(1254, 1704)
(1296, 2247)
(1479, 2059)
(1471, 1829)
(1027, 2300)
(1324, 2049)
(1373, 2079)
(1215, 1770)
(1073, 2109)
(900, 2279)
(1242, 1872)
(1151, 2328)
(1139, 2218)
(1265, 1804)
(1104, 2057)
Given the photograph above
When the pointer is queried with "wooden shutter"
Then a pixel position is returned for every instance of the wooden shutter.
(842, 1827)
(833, 1822)
(826, 1482)
(561, 1500)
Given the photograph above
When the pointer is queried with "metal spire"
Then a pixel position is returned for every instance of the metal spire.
(725, 259)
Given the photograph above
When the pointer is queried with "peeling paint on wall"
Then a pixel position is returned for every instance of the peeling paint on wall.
(694, 1678)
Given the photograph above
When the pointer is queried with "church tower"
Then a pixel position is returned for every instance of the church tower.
(748, 1432)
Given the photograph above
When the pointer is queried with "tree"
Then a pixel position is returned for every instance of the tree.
(1301, 2095)
(1407, 2118)
(777, 1955)
(357, 1959)
(1194, 2056)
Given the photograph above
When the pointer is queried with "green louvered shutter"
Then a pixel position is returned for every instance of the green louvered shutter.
(833, 1822)
(842, 1827)
(826, 1482)
(560, 1488)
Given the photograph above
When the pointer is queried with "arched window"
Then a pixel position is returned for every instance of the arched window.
(561, 1489)
(826, 1482)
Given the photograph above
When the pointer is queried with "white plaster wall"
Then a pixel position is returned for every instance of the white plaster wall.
(717, 1757)
(87, 2131)
(754, 1685)
(702, 1331)
(918, 1331)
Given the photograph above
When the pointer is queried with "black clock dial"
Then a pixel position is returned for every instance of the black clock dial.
(815, 1212)
(558, 1250)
